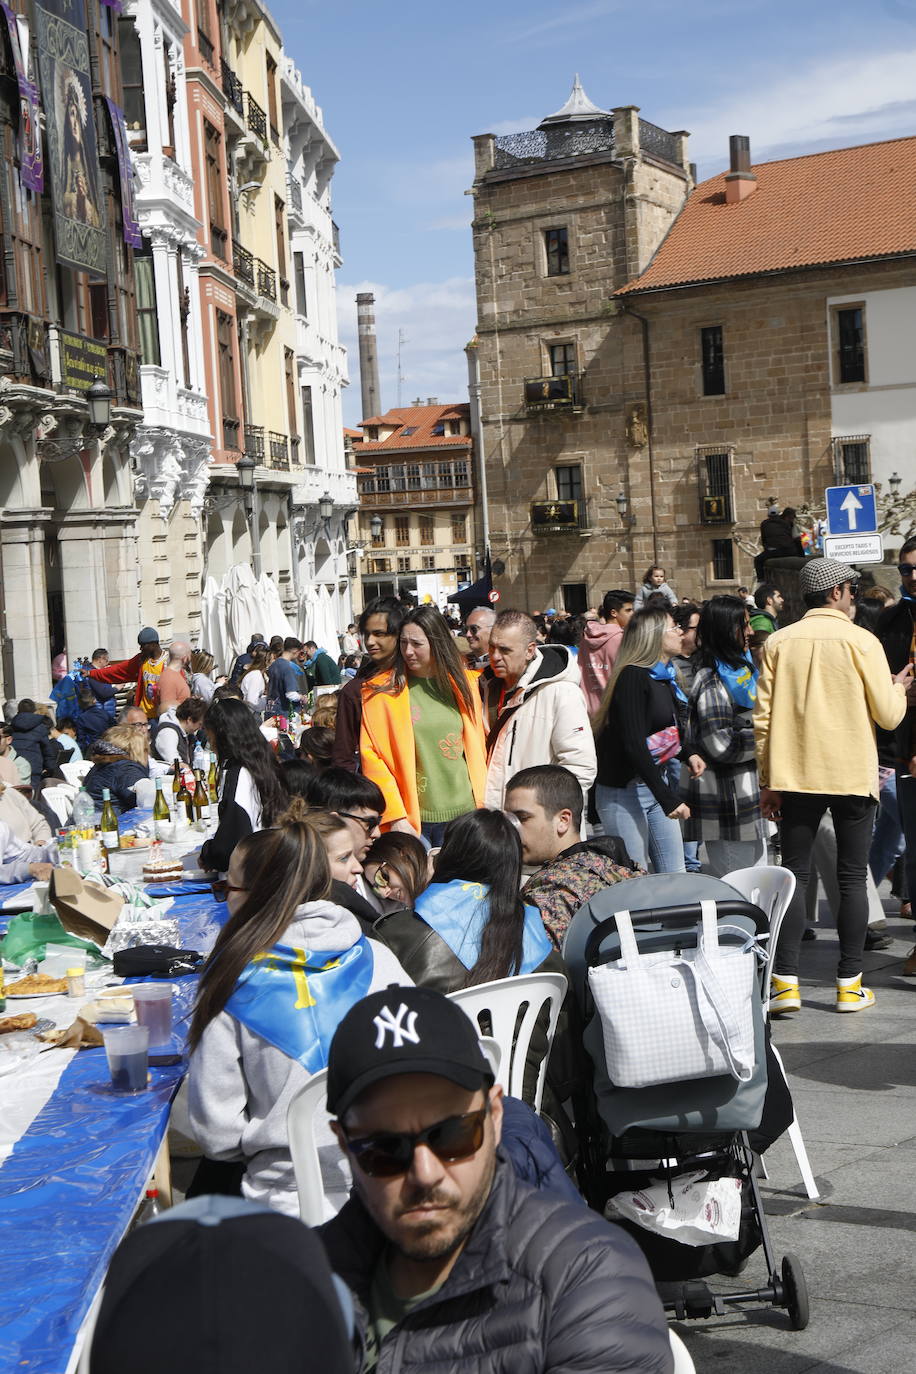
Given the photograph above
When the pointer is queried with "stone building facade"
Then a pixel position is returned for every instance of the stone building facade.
(563, 216)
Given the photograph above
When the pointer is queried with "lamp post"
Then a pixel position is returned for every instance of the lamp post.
(99, 398)
(245, 467)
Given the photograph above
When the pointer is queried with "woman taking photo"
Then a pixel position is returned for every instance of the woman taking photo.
(422, 738)
(725, 800)
(252, 790)
(262, 1026)
(639, 742)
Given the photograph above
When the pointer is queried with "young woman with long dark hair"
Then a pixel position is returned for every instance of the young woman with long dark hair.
(252, 790)
(725, 800)
(287, 965)
(639, 731)
(422, 738)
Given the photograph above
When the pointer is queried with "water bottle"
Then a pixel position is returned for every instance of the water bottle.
(201, 758)
(150, 1207)
(84, 814)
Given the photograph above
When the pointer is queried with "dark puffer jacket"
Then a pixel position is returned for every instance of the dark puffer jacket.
(32, 741)
(541, 1287)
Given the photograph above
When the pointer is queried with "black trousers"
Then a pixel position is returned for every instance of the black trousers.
(853, 821)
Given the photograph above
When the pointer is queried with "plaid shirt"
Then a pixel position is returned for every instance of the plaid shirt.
(725, 802)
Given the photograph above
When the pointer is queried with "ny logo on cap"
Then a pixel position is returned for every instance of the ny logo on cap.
(388, 1023)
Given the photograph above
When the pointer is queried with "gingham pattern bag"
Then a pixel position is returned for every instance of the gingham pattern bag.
(669, 1016)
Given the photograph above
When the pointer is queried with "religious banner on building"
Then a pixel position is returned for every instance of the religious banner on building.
(131, 228)
(63, 64)
(28, 142)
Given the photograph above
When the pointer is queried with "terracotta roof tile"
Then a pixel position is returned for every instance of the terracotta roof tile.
(839, 206)
(421, 419)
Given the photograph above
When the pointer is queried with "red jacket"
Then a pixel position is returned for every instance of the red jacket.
(131, 670)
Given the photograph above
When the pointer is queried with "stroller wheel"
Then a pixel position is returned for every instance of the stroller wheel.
(796, 1291)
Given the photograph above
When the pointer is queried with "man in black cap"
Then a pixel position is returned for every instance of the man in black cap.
(221, 1285)
(824, 685)
(454, 1262)
(144, 669)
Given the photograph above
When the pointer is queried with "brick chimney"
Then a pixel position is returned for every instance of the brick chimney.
(740, 182)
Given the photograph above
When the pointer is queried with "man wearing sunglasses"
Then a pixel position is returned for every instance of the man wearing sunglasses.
(454, 1262)
(824, 685)
(896, 630)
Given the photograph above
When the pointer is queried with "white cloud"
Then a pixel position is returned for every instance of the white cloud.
(437, 319)
(831, 102)
(569, 17)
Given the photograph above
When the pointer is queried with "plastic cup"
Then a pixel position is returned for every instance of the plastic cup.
(153, 1002)
(87, 855)
(127, 1048)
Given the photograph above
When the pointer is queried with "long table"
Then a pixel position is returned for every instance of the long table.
(72, 1180)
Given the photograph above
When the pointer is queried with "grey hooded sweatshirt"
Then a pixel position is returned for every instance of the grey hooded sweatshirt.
(239, 1085)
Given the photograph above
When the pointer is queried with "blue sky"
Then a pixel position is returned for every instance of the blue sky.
(403, 87)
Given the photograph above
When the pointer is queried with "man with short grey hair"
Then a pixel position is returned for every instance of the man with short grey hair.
(477, 628)
(534, 710)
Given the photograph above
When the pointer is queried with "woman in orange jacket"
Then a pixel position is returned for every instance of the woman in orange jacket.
(422, 736)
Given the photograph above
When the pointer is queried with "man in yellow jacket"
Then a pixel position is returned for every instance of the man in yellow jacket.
(824, 683)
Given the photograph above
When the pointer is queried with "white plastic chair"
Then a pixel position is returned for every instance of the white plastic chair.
(305, 1109)
(772, 889)
(683, 1364)
(505, 1001)
(60, 800)
(75, 772)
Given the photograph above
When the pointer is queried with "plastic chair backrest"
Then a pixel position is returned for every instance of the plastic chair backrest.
(683, 1364)
(513, 1006)
(60, 800)
(75, 772)
(771, 888)
(304, 1110)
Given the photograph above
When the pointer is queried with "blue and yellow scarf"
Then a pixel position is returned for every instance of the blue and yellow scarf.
(740, 683)
(295, 998)
(458, 911)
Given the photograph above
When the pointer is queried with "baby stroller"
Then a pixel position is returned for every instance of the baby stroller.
(641, 1144)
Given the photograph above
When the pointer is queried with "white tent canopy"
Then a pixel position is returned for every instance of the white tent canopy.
(237, 606)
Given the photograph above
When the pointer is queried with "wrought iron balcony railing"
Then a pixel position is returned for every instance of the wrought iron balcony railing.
(232, 88)
(278, 448)
(553, 393)
(243, 263)
(295, 193)
(205, 47)
(266, 280)
(257, 119)
(254, 441)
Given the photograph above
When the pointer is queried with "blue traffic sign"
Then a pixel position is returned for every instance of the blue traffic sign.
(851, 510)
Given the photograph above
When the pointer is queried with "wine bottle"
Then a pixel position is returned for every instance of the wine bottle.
(212, 784)
(162, 817)
(177, 784)
(108, 824)
(201, 801)
(183, 801)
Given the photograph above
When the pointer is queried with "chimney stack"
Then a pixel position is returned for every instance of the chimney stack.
(740, 182)
(368, 355)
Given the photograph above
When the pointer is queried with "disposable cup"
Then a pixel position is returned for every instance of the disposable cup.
(127, 1048)
(153, 1002)
(87, 855)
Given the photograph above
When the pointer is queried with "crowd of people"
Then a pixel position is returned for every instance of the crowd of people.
(423, 808)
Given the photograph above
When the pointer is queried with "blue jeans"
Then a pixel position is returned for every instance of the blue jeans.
(887, 840)
(651, 839)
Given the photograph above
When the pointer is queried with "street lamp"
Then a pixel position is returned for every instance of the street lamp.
(375, 526)
(99, 398)
(623, 508)
(326, 506)
(245, 468)
(894, 482)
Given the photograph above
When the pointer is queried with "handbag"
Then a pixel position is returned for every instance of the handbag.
(677, 1014)
(664, 744)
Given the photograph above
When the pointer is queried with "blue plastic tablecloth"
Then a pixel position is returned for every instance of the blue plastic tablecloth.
(72, 1182)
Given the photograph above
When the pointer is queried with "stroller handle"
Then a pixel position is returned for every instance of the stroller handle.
(676, 915)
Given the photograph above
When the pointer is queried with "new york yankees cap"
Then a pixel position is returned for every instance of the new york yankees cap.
(403, 1030)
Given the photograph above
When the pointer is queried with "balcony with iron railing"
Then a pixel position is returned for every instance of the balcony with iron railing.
(257, 119)
(243, 264)
(205, 46)
(232, 88)
(278, 451)
(266, 280)
(553, 393)
(254, 442)
(295, 193)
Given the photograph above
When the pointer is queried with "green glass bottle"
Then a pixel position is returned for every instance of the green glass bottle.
(108, 824)
(162, 817)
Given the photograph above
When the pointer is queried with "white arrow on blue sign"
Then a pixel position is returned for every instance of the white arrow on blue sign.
(851, 510)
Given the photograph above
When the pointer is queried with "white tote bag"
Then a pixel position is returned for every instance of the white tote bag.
(669, 1016)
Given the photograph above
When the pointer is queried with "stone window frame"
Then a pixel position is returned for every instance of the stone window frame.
(711, 579)
(565, 342)
(540, 227)
(581, 460)
(700, 369)
(836, 308)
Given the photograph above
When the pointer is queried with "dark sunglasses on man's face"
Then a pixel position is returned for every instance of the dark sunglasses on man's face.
(389, 1153)
(907, 569)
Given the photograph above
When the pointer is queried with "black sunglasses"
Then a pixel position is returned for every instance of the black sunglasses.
(389, 1153)
(368, 822)
(907, 569)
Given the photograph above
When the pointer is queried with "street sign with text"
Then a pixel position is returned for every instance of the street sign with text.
(851, 510)
(854, 548)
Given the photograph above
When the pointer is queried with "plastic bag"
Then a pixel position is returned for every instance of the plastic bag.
(28, 935)
(703, 1209)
